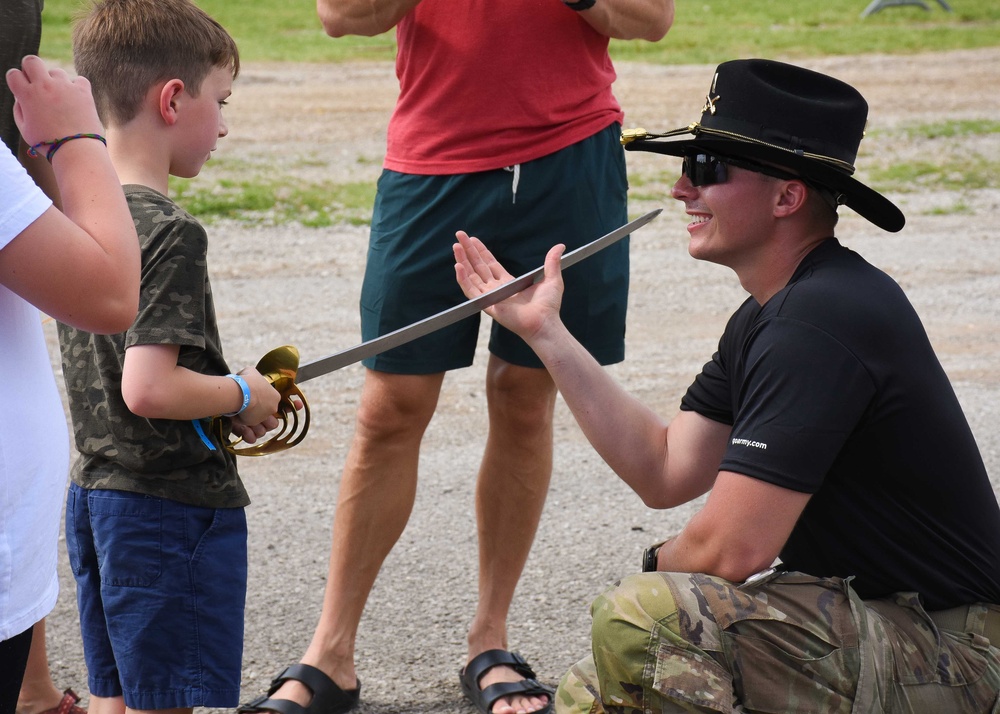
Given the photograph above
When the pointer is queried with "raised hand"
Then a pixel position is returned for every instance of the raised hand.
(49, 104)
(478, 271)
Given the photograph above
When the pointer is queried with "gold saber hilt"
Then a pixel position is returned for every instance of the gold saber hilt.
(280, 367)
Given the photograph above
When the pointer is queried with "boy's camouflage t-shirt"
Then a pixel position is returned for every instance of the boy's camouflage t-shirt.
(122, 451)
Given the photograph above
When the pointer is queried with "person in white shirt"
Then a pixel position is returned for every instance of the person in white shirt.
(79, 266)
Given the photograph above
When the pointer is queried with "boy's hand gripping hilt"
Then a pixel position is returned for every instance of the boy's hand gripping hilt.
(280, 367)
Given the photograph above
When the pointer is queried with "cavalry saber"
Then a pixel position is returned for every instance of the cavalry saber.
(282, 369)
(386, 342)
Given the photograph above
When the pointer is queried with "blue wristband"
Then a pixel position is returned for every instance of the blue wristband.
(246, 394)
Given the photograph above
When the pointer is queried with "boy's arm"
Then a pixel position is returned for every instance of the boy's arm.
(81, 266)
(154, 386)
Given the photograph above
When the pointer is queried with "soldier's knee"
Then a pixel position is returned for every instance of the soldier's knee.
(624, 615)
(579, 690)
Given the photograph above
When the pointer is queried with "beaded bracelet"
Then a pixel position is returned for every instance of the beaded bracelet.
(54, 145)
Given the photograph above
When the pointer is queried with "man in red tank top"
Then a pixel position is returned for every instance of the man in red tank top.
(505, 126)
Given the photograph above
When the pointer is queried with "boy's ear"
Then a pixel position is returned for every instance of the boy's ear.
(169, 100)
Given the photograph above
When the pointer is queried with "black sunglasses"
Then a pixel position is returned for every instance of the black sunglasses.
(707, 169)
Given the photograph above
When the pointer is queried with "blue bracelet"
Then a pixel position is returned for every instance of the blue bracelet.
(246, 394)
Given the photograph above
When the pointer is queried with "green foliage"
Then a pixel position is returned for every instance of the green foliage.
(713, 31)
(265, 30)
(952, 129)
(275, 200)
(706, 32)
(945, 164)
(947, 174)
(709, 31)
(957, 209)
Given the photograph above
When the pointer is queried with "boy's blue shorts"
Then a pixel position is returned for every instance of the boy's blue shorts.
(161, 588)
(572, 196)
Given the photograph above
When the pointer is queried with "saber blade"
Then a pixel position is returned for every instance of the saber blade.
(386, 342)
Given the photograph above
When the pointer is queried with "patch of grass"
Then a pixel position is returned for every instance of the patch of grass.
(957, 208)
(708, 32)
(639, 196)
(276, 201)
(949, 165)
(951, 129)
(943, 174)
(716, 30)
(265, 30)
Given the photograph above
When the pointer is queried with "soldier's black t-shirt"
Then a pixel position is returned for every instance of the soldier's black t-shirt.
(833, 389)
(119, 450)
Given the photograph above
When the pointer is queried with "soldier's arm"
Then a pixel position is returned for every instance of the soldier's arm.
(665, 464)
(740, 531)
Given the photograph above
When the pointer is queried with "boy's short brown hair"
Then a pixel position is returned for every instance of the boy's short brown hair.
(126, 46)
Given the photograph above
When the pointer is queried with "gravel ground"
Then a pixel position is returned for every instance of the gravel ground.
(285, 284)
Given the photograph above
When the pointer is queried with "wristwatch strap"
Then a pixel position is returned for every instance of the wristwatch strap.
(649, 557)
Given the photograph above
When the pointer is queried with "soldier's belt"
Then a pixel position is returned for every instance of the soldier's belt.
(957, 619)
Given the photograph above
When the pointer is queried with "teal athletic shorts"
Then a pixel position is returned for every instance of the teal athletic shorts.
(572, 196)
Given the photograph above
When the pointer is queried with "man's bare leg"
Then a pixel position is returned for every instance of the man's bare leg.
(513, 483)
(374, 502)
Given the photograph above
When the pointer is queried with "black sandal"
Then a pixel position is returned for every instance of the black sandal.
(327, 697)
(484, 699)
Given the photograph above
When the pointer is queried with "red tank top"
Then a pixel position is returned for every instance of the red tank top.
(491, 83)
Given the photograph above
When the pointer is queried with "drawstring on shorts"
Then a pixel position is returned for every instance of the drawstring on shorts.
(516, 170)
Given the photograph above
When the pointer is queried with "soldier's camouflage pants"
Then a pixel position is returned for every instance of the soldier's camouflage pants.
(669, 642)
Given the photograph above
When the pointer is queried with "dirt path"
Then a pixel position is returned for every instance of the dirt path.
(285, 284)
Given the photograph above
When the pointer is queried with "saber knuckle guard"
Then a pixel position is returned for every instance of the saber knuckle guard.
(280, 367)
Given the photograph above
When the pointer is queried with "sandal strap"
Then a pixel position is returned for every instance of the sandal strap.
(485, 661)
(485, 698)
(265, 705)
(524, 687)
(310, 676)
(67, 704)
(327, 697)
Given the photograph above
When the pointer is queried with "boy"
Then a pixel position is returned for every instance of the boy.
(155, 523)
